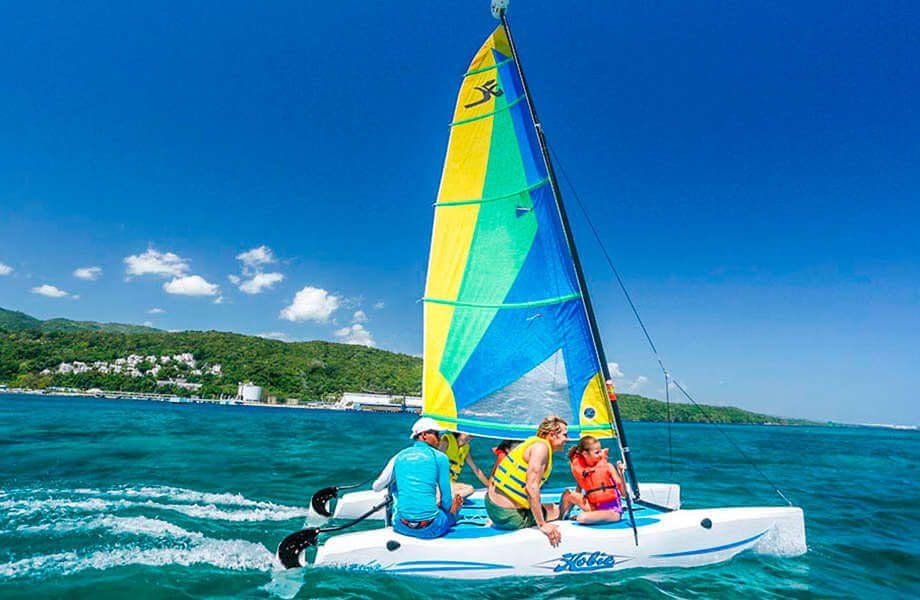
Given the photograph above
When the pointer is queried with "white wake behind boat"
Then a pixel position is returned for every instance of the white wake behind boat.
(511, 337)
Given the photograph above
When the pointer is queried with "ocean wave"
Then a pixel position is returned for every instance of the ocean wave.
(170, 545)
(213, 512)
(23, 504)
(181, 495)
(234, 555)
(175, 494)
(120, 525)
(25, 507)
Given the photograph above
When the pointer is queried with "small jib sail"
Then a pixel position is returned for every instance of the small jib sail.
(507, 334)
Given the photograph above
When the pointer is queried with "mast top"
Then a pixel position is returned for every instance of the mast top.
(499, 7)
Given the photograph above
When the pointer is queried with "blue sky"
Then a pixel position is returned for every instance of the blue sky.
(753, 168)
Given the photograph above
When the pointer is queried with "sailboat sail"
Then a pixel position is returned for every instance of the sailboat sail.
(507, 339)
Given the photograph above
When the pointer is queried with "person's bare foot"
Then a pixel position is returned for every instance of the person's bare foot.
(569, 499)
(458, 502)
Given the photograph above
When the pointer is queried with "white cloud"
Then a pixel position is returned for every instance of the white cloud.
(148, 324)
(624, 383)
(359, 317)
(254, 280)
(260, 282)
(5, 269)
(49, 291)
(192, 285)
(161, 264)
(356, 334)
(379, 305)
(636, 384)
(311, 304)
(614, 369)
(257, 256)
(88, 273)
(155, 311)
(275, 335)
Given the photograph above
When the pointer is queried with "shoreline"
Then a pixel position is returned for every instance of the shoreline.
(170, 399)
(320, 405)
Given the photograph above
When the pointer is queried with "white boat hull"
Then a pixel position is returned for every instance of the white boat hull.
(474, 550)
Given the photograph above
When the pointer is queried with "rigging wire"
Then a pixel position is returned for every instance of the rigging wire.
(667, 400)
(737, 447)
(648, 337)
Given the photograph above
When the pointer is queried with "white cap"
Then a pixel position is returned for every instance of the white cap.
(424, 424)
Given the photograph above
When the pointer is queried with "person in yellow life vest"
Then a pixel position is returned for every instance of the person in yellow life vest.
(600, 482)
(513, 500)
(457, 448)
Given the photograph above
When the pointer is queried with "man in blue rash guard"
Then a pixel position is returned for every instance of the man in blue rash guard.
(420, 474)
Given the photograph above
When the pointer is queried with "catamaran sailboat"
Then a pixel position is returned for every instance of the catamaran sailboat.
(511, 337)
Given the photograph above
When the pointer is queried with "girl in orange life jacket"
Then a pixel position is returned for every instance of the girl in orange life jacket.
(501, 451)
(601, 482)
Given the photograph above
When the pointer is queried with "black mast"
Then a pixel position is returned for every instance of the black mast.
(618, 422)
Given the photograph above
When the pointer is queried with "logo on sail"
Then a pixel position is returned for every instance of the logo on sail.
(584, 561)
(488, 90)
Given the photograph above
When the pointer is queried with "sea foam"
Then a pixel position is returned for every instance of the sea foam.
(149, 539)
(236, 555)
(199, 505)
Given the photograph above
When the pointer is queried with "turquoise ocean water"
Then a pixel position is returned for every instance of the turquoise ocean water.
(118, 498)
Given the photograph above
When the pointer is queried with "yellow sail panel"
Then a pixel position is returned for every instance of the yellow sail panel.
(595, 415)
(462, 179)
(435, 389)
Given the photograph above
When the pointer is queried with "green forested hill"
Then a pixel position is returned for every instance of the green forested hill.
(11, 320)
(305, 370)
(639, 408)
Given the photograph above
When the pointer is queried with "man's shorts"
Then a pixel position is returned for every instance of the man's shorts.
(510, 518)
(440, 525)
